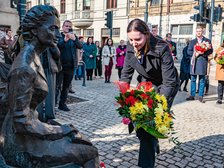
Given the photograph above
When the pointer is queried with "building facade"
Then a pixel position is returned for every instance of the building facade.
(9, 18)
(174, 16)
(88, 17)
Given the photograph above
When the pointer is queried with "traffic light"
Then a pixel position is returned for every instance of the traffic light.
(199, 17)
(218, 14)
(109, 19)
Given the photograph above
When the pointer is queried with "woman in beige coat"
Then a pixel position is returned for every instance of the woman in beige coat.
(219, 75)
(108, 55)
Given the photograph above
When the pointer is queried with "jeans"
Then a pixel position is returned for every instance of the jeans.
(201, 85)
(220, 89)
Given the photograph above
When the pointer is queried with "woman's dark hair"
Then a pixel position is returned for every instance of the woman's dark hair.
(35, 17)
(87, 42)
(97, 42)
(140, 26)
(108, 40)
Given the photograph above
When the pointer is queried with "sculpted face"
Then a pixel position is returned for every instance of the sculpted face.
(137, 39)
(48, 33)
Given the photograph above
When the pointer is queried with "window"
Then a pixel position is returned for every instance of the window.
(88, 32)
(62, 6)
(77, 32)
(174, 29)
(78, 4)
(47, 2)
(106, 32)
(111, 4)
(182, 29)
(186, 29)
(28, 5)
(154, 2)
(86, 4)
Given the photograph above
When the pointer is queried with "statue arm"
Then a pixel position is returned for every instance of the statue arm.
(20, 93)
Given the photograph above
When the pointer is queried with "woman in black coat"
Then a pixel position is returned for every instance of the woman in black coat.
(185, 68)
(152, 59)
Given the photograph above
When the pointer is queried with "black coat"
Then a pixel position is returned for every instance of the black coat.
(201, 62)
(158, 68)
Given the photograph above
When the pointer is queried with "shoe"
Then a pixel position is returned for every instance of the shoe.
(91, 78)
(63, 107)
(185, 90)
(180, 90)
(71, 91)
(201, 99)
(219, 102)
(79, 78)
(190, 98)
(105, 81)
(197, 91)
(101, 77)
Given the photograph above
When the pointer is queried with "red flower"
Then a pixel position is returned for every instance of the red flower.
(130, 100)
(121, 102)
(146, 85)
(102, 164)
(144, 96)
(126, 121)
(132, 92)
(150, 102)
(122, 86)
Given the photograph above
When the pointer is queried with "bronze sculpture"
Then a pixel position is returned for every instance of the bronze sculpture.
(28, 142)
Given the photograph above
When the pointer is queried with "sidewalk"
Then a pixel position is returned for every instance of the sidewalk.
(199, 128)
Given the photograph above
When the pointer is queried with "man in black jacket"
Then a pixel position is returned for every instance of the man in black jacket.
(172, 45)
(67, 45)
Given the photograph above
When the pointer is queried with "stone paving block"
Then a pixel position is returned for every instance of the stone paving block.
(218, 165)
(179, 164)
(208, 166)
(192, 165)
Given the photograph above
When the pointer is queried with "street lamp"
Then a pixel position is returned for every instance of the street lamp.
(146, 13)
(21, 10)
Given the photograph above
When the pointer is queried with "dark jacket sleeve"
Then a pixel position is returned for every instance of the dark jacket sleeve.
(61, 43)
(169, 73)
(175, 48)
(127, 71)
(77, 43)
(190, 49)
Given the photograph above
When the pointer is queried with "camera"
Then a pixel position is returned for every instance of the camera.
(70, 30)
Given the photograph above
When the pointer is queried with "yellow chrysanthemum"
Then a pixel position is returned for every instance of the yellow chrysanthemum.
(159, 110)
(167, 119)
(163, 130)
(164, 100)
(158, 120)
(139, 106)
(158, 97)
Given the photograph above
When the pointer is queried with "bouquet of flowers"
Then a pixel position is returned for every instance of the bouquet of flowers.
(203, 46)
(220, 57)
(145, 109)
(172, 48)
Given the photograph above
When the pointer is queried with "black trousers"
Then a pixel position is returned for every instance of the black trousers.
(98, 70)
(89, 74)
(147, 150)
(64, 79)
(220, 89)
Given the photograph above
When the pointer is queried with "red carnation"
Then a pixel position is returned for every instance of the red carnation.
(130, 100)
(150, 102)
(146, 85)
(102, 164)
(122, 86)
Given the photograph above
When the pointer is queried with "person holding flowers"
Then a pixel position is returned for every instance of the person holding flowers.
(219, 58)
(152, 59)
(199, 49)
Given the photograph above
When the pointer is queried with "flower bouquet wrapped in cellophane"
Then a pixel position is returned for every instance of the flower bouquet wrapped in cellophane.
(146, 109)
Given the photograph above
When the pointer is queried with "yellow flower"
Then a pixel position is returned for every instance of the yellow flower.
(164, 100)
(158, 98)
(167, 119)
(139, 106)
(158, 120)
(159, 110)
(163, 130)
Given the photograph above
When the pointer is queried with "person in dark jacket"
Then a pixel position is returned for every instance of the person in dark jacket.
(185, 68)
(50, 60)
(173, 46)
(199, 64)
(98, 70)
(152, 59)
(68, 43)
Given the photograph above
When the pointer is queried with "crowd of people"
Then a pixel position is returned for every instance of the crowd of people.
(145, 52)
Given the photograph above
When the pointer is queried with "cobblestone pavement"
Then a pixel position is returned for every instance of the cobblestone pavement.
(199, 128)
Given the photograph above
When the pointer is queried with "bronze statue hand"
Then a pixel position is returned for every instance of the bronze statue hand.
(79, 139)
(68, 128)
